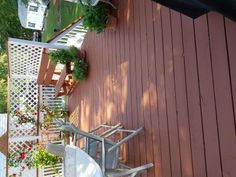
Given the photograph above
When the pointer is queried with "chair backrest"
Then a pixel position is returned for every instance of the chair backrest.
(56, 149)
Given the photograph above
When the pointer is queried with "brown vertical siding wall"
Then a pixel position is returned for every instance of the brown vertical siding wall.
(171, 74)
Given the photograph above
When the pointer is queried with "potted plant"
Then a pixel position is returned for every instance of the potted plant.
(80, 69)
(73, 59)
(97, 18)
(43, 158)
(63, 56)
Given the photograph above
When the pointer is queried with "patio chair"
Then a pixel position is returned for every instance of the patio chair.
(125, 172)
(107, 131)
(110, 153)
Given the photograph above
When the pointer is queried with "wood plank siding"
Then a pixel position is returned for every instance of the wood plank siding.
(171, 74)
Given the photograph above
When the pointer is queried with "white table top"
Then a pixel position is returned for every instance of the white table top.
(79, 164)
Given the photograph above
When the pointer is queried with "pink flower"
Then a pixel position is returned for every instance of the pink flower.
(22, 156)
(23, 168)
(30, 147)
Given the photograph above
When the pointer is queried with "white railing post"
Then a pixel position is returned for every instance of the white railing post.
(73, 35)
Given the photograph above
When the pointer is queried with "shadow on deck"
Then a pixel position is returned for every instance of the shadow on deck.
(172, 75)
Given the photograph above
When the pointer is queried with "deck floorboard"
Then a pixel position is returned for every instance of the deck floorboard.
(172, 75)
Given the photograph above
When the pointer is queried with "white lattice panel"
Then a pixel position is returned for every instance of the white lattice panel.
(23, 92)
(27, 130)
(17, 146)
(24, 59)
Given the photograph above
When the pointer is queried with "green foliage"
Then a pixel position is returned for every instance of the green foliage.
(25, 117)
(70, 55)
(80, 69)
(43, 158)
(26, 159)
(95, 17)
(63, 56)
(59, 16)
(3, 82)
(50, 115)
(10, 24)
(22, 157)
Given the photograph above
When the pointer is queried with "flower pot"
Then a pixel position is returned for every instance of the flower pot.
(111, 23)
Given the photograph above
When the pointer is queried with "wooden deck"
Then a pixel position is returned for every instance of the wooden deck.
(172, 75)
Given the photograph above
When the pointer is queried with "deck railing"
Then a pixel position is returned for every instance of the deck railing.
(47, 98)
(24, 59)
(72, 35)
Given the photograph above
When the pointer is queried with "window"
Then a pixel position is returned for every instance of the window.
(31, 24)
(33, 8)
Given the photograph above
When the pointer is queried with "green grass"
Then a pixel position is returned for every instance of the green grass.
(59, 17)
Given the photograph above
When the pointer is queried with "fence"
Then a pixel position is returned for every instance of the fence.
(72, 35)
(24, 59)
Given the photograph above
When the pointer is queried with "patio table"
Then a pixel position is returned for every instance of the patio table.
(78, 163)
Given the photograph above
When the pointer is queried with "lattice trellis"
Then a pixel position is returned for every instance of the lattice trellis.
(23, 131)
(24, 60)
(23, 92)
(47, 98)
(17, 146)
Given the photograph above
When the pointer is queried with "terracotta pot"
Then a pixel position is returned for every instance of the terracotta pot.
(111, 23)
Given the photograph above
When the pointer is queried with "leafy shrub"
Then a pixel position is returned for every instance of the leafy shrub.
(70, 56)
(80, 69)
(95, 17)
(63, 56)
(43, 158)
